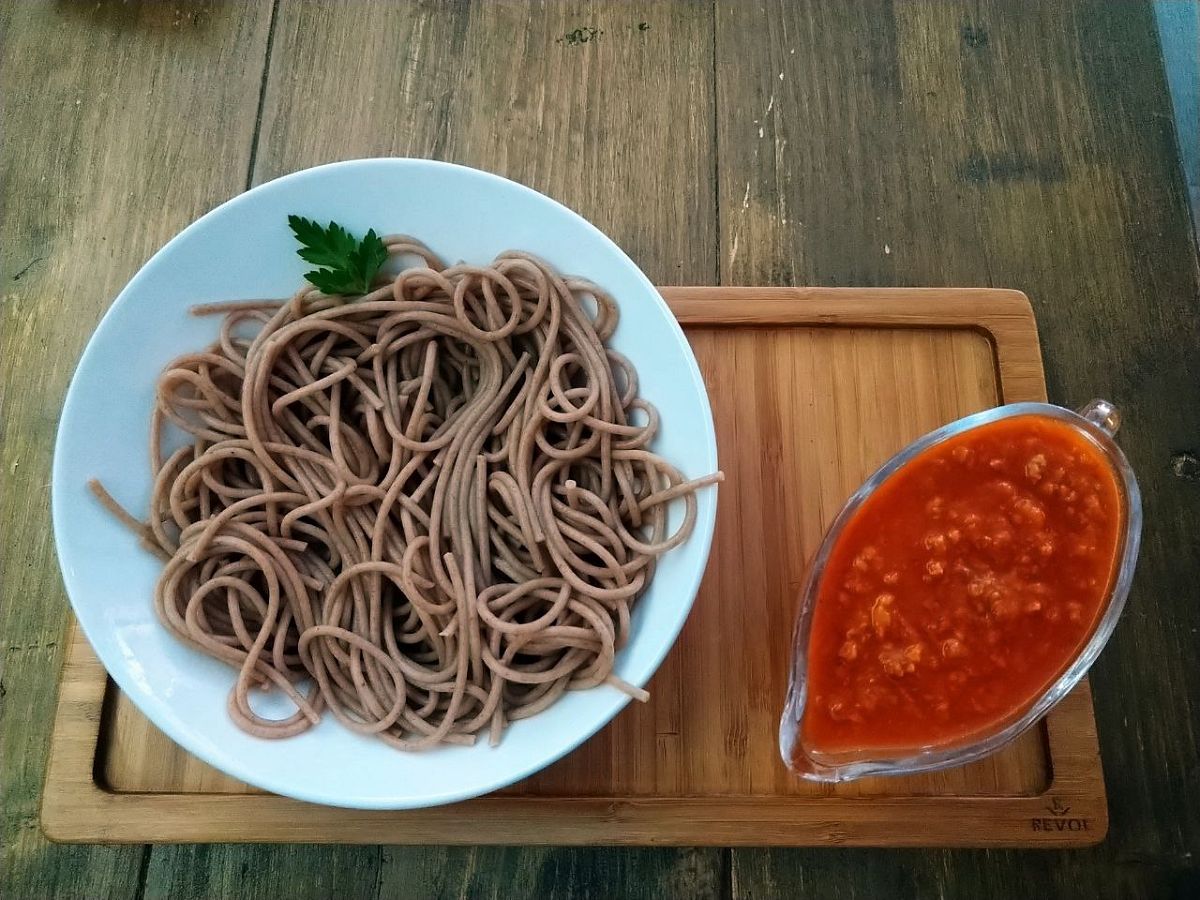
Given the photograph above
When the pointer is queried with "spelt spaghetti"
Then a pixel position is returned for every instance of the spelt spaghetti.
(427, 512)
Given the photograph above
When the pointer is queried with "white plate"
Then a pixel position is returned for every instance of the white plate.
(243, 249)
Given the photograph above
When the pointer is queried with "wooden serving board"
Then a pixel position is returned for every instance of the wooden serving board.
(811, 389)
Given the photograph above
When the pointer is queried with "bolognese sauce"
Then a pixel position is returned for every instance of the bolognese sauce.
(961, 588)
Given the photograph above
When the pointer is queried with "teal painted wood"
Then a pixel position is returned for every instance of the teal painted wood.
(1178, 24)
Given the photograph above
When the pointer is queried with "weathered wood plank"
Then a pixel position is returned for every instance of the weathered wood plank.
(617, 125)
(942, 120)
(300, 872)
(1013, 145)
(122, 123)
(915, 875)
(291, 871)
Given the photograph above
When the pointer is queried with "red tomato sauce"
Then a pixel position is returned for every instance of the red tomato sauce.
(961, 588)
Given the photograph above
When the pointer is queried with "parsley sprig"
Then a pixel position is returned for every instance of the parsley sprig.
(347, 266)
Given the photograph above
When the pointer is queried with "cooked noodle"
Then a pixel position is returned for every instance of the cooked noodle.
(427, 511)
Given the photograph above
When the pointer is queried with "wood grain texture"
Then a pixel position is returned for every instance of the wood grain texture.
(1026, 145)
(824, 407)
(122, 123)
(980, 143)
(616, 125)
(620, 129)
(807, 400)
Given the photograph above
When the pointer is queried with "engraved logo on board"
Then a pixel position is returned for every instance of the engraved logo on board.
(1058, 820)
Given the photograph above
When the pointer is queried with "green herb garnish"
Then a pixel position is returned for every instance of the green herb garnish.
(348, 266)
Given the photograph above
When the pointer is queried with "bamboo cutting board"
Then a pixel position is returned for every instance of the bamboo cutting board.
(811, 390)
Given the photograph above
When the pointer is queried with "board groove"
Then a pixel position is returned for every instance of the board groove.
(811, 388)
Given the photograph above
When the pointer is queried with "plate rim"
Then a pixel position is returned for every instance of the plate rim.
(231, 765)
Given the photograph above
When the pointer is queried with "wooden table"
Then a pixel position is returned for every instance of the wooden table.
(1021, 145)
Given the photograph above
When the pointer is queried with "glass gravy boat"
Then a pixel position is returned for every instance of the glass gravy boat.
(1098, 422)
